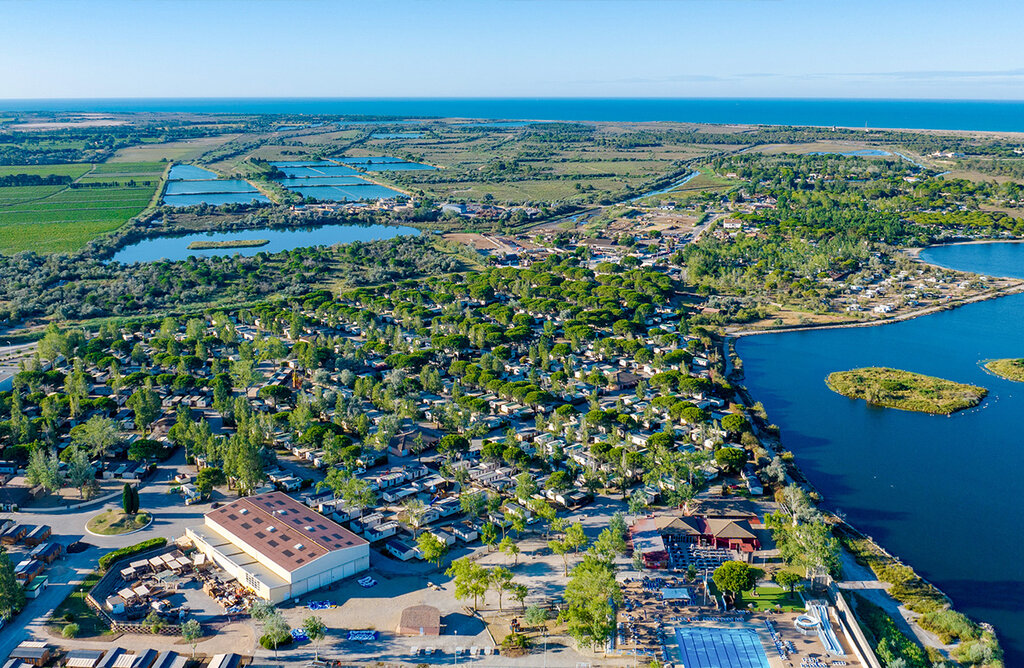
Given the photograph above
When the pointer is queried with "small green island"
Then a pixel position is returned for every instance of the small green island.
(905, 390)
(1010, 369)
(231, 243)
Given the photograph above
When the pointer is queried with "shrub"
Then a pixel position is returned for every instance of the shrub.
(70, 630)
(283, 640)
(110, 557)
(515, 641)
(950, 625)
(984, 652)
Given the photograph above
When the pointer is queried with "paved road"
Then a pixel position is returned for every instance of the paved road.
(170, 517)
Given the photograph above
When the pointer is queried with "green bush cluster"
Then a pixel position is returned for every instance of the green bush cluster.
(110, 557)
(266, 642)
(889, 643)
(950, 625)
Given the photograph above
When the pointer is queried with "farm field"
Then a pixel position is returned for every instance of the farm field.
(178, 151)
(48, 219)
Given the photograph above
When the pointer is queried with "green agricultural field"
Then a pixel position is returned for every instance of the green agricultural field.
(49, 219)
(74, 171)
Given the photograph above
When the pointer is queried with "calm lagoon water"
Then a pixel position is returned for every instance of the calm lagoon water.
(215, 199)
(201, 187)
(346, 193)
(941, 492)
(860, 153)
(175, 247)
(316, 179)
(370, 159)
(323, 181)
(190, 173)
(383, 163)
(317, 170)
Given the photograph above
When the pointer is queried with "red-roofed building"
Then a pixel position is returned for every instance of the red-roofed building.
(279, 548)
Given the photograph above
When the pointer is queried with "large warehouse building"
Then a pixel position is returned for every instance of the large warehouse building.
(278, 547)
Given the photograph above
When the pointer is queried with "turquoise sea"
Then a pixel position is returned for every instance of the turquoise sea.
(927, 114)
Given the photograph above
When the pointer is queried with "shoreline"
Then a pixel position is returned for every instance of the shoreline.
(733, 372)
(773, 442)
(1015, 287)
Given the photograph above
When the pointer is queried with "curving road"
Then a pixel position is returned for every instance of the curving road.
(170, 517)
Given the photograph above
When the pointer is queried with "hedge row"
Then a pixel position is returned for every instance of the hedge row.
(110, 557)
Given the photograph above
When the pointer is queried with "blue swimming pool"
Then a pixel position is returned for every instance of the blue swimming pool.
(710, 647)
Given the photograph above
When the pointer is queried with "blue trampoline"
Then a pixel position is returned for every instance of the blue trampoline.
(706, 647)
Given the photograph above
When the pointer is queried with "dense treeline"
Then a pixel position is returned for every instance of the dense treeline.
(32, 285)
(18, 180)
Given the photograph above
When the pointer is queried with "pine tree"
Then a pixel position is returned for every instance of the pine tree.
(12, 595)
(127, 499)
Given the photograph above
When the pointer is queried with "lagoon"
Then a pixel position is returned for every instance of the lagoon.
(215, 199)
(317, 170)
(940, 492)
(201, 187)
(346, 193)
(175, 247)
(190, 173)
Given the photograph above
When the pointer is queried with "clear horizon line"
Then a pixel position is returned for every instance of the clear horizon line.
(518, 97)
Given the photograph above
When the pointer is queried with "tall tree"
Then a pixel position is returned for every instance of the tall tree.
(76, 387)
(316, 631)
(191, 632)
(80, 473)
(96, 435)
(433, 548)
(470, 578)
(591, 596)
(145, 403)
(44, 469)
(12, 594)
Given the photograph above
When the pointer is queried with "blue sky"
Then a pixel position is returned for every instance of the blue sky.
(514, 48)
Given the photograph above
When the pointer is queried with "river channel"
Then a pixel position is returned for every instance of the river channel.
(943, 493)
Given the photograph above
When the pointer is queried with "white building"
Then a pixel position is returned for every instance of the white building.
(279, 548)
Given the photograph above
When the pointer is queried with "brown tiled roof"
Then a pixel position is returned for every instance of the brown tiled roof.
(285, 531)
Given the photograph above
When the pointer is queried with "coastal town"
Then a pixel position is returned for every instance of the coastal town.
(445, 448)
(337, 391)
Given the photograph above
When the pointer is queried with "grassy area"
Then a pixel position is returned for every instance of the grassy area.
(1010, 369)
(179, 151)
(115, 522)
(60, 219)
(905, 390)
(73, 170)
(231, 243)
(74, 609)
(770, 598)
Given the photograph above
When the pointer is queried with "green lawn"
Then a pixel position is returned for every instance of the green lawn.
(768, 597)
(50, 219)
(114, 522)
(89, 623)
